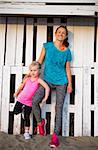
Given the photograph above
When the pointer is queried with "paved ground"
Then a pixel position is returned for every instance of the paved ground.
(11, 142)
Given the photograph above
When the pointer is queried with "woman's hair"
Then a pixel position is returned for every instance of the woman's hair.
(66, 39)
(34, 63)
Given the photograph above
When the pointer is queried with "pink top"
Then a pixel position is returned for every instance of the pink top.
(25, 96)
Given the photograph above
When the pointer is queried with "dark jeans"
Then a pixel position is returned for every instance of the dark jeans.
(60, 95)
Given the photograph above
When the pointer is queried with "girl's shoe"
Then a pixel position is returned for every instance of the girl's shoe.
(54, 141)
(27, 136)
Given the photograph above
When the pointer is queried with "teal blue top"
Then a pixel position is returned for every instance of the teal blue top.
(55, 59)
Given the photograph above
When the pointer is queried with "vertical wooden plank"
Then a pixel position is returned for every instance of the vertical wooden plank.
(78, 101)
(97, 44)
(1, 77)
(70, 28)
(65, 120)
(19, 41)
(86, 102)
(29, 41)
(41, 37)
(17, 118)
(2, 38)
(88, 45)
(96, 103)
(5, 99)
(76, 109)
(11, 41)
(83, 41)
(53, 103)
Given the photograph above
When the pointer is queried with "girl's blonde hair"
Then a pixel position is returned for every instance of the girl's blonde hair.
(34, 63)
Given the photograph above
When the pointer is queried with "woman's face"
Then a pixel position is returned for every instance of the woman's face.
(60, 34)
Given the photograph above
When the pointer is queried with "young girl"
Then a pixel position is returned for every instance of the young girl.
(25, 93)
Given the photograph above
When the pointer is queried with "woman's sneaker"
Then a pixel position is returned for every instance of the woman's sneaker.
(41, 127)
(27, 136)
(54, 141)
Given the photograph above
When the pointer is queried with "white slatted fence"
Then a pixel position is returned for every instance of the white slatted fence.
(22, 40)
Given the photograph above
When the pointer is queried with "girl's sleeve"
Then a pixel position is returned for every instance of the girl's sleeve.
(69, 56)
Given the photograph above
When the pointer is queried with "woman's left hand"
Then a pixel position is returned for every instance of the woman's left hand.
(69, 88)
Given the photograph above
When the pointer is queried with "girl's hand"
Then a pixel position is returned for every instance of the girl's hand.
(14, 95)
(69, 88)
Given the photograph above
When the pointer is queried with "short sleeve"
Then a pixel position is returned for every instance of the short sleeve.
(69, 55)
(45, 45)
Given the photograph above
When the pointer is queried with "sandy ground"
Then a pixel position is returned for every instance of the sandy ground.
(17, 142)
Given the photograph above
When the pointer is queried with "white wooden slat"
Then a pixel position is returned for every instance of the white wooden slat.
(5, 99)
(86, 101)
(52, 1)
(2, 38)
(41, 38)
(83, 53)
(17, 118)
(97, 44)
(88, 48)
(17, 124)
(19, 41)
(78, 101)
(96, 103)
(53, 101)
(11, 41)
(70, 28)
(0, 92)
(65, 120)
(29, 41)
(76, 109)
(28, 9)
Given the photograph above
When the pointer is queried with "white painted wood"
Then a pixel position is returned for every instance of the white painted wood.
(19, 41)
(41, 38)
(78, 101)
(17, 118)
(88, 46)
(5, 99)
(2, 38)
(28, 9)
(70, 27)
(53, 103)
(86, 101)
(29, 41)
(11, 41)
(97, 44)
(65, 120)
(76, 109)
(96, 102)
(83, 52)
(1, 77)
(17, 124)
(52, 1)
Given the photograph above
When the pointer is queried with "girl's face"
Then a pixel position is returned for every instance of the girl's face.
(60, 34)
(34, 71)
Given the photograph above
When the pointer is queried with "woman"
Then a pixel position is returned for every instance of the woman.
(57, 73)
